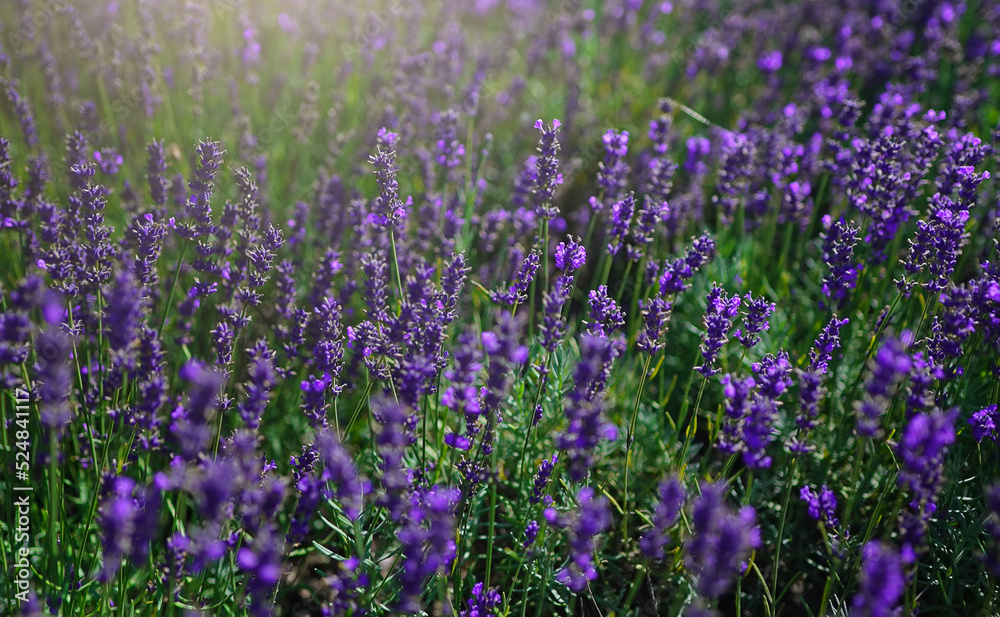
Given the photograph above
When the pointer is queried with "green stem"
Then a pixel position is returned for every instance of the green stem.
(640, 574)
(628, 441)
(395, 263)
(493, 512)
(55, 508)
(173, 287)
(781, 527)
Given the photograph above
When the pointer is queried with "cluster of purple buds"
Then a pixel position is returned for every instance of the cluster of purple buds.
(668, 508)
(542, 478)
(812, 382)
(483, 602)
(722, 310)
(568, 258)
(198, 206)
(881, 583)
(505, 355)
(461, 396)
(655, 319)
(450, 151)
(621, 218)
(938, 243)
(675, 275)
(891, 365)
(985, 423)
(922, 450)
(584, 409)
(388, 208)
(547, 175)
(108, 161)
(517, 291)
(582, 527)
(427, 539)
(721, 541)
(757, 320)
(651, 213)
(822, 504)
(735, 169)
(612, 173)
(839, 240)
(606, 316)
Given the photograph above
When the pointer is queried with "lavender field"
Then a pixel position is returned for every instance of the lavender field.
(499, 308)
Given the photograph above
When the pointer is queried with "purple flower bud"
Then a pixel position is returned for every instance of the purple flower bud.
(881, 582)
(668, 508)
(758, 312)
(721, 541)
(593, 517)
(546, 174)
(822, 505)
(570, 256)
(719, 315)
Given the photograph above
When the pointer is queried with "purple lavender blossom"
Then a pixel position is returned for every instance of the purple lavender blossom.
(889, 367)
(758, 312)
(754, 431)
(647, 221)
(22, 110)
(340, 473)
(735, 169)
(517, 292)
(449, 150)
(198, 206)
(191, 421)
(108, 161)
(938, 243)
(722, 309)
(582, 527)
(570, 255)
(584, 410)
(881, 583)
(117, 520)
(839, 240)
(655, 319)
(613, 171)
(605, 315)
(922, 449)
(542, 478)
(621, 218)
(553, 326)
(52, 353)
(388, 207)
(674, 276)
(428, 547)
(546, 175)
(668, 508)
(461, 396)
(822, 504)
(396, 434)
(505, 354)
(984, 423)
(721, 541)
(482, 603)
(530, 533)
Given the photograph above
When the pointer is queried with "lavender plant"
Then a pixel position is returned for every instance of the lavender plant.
(302, 312)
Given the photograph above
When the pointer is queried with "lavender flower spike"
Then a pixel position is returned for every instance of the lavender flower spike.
(722, 309)
(388, 206)
(547, 176)
(881, 583)
(758, 312)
